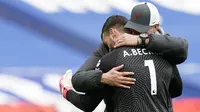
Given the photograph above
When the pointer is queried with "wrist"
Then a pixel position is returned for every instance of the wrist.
(144, 39)
(103, 78)
(147, 41)
(139, 41)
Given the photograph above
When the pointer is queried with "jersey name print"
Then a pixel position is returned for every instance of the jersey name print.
(138, 51)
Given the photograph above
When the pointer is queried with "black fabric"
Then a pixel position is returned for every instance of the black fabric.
(175, 84)
(105, 67)
(139, 98)
(118, 99)
(86, 102)
(174, 49)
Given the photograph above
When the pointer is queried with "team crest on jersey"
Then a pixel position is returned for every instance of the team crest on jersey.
(97, 66)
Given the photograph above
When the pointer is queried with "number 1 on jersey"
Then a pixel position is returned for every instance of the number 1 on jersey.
(152, 72)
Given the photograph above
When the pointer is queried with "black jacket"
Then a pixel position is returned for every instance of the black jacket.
(87, 79)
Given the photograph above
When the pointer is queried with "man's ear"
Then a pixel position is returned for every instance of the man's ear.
(112, 32)
(105, 38)
(157, 27)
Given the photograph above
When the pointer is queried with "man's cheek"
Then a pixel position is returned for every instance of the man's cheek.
(105, 41)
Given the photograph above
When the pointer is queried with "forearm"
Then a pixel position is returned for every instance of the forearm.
(86, 78)
(75, 99)
(173, 49)
(86, 81)
(85, 102)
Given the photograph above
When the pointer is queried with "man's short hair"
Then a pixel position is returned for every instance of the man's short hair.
(113, 21)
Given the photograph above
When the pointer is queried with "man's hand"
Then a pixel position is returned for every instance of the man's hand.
(119, 79)
(126, 39)
(65, 83)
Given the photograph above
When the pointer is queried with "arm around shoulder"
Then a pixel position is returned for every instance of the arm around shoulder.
(174, 49)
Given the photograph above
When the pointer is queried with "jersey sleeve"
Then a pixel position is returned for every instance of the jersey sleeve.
(86, 102)
(173, 49)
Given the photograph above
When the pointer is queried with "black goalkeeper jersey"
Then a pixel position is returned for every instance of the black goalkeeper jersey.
(154, 76)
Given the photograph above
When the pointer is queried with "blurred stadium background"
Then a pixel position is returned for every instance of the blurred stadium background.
(41, 39)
